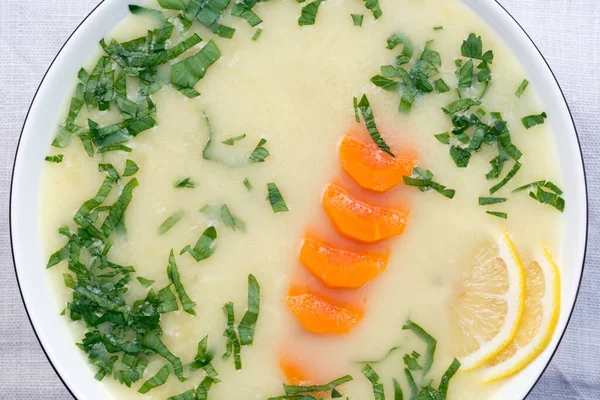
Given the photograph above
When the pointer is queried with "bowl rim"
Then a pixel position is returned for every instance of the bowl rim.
(514, 20)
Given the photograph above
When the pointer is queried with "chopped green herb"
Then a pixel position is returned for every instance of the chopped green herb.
(184, 183)
(260, 153)
(336, 395)
(189, 395)
(230, 220)
(545, 192)
(112, 172)
(465, 75)
(157, 380)
(372, 376)
(430, 343)
(450, 372)
(204, 387)
(185, 74)
(276, 199)
(291, 389)
(438, 28)
(117, 210)
(398, 394)
(257, 34)
(460, 156)
(130, 168)
(373, 6)
(115, 147)
(507, 178)
(443, 138)
(173, 4)
(309, 13)
(357, 19)
(231, 141)
(441, 86)
(486, 201)
(203, 359)
(423, 179)
(54, 159)
(411, 361)
(460, 105)
(533, 120)
(356, 115)
(248, 324)
(233, 345)
(245, 12)
(145, 282)
(248, 184)
(498, 214)
(521, 88)
(205, 246)
(174, 277)
(153, 342)
(170, 222)
(367, 113)
(473, 48)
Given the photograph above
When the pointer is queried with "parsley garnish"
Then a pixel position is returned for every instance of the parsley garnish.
(367, 113)
(157, 380)
(185, 74)
(233, 343)
(276, 199)
(117, 210)
(533, 120)
(498, 214)
(173, 273)
(522, 88)
(222, 212)
(260, 153)
(309, 13)
(257, 34)
(507, 178)
(247, 184)
(460, 105)
(184, 183)
(357, 19)
(231, 141)
(243, 11)
(144, 282)
(438, 28)
(54, 159)
(153, 342)
(430, 343)
(293, 389)
(373, 6)
(545, 192)
(461, 156)
(130, 168)
(112, 172)
(205, 246)
(485, 201)
(372, 376)
(423, 179)
(248, 324)
(170, 222)
(443, 138)
(173, 4)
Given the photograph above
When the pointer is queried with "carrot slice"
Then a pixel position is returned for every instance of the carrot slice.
(294, 372)
(340, 268)
(372, 168)
(359, 220)
(319, 315)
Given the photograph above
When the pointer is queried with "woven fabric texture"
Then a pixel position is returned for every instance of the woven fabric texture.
(566, 31)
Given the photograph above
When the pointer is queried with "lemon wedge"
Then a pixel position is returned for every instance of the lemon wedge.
(489, 304)
(539, 321)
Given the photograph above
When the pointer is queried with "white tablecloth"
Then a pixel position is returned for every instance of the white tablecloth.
(568, 34)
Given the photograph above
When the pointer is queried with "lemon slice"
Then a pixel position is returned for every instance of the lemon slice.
(539, 321)
(490, 304)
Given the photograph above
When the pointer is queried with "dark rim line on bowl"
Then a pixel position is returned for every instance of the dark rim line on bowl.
(10, 222)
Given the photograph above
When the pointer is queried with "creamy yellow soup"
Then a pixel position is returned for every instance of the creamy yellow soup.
(294, 86)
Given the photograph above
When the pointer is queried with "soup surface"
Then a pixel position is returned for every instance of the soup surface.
(294, 86)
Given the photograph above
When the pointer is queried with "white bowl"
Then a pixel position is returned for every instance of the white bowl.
(51, 329)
